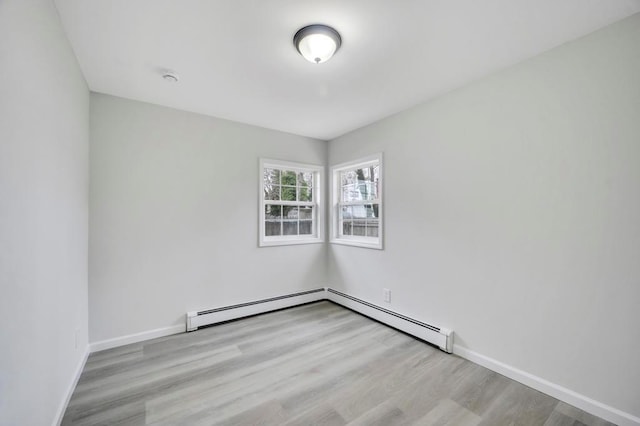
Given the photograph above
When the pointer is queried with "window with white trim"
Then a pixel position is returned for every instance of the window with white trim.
(356, 213)
(290, 203)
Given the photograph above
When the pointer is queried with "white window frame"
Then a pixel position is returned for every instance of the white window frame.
(317, 235)
(336, 225)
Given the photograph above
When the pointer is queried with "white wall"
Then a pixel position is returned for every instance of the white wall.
(513, 215)
(174, 207)
(44, 140)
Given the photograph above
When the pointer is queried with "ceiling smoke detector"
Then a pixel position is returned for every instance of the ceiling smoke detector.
(171, 77)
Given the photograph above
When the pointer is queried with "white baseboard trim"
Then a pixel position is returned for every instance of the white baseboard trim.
(72, 386)
(197, 319)
(136, 337)
(582, 402)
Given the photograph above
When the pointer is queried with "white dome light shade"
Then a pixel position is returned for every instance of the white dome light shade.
(317, 43)
(317, 48)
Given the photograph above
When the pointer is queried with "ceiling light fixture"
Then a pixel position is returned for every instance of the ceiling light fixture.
(317, 43)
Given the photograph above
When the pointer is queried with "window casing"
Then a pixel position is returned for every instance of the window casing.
(356, 194)
(290, 203)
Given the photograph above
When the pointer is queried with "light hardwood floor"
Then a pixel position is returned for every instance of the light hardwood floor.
(317, 364)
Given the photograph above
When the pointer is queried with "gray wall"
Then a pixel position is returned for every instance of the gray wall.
(513, 215)
(512, 212)
(174, 207)
(44, 140)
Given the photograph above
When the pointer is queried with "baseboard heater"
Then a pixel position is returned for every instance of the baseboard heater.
(441, 337)
(197, 319)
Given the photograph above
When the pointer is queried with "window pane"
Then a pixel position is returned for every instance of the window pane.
(290, 220)
(290, 227)
(348, 177)
(306, 213)
(272, 220)
(359, 184)
(271, 192)
(359, 191)
(288, 178)
(289, 193)
(305, 194)
(346, 212)
(306, 227)
(372, 228)
(346, 227)
(375, 209)
(364, 174)
(272, 228)
(371, 210)
(271, 177)
(359, 227)
(305, 180)
(366, 191)
(290, 212)
(368, 183)
(362, 191)
(289, 202)
(272, 212)
(271, 184)
(359, 212)
(350, 193)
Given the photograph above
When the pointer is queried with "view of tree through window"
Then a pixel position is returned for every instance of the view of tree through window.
(288, 202)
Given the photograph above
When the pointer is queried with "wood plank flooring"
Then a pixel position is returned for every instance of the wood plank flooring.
(317, 364)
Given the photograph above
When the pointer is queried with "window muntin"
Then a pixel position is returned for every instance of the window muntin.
(290, 203)
(357, 197)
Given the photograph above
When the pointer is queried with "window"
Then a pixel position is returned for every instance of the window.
(356, 214)
(290, 208)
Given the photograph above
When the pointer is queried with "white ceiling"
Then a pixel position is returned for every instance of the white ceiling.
(236, 59)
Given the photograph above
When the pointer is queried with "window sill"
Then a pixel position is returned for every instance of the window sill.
(289, 242)
(357, 243)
